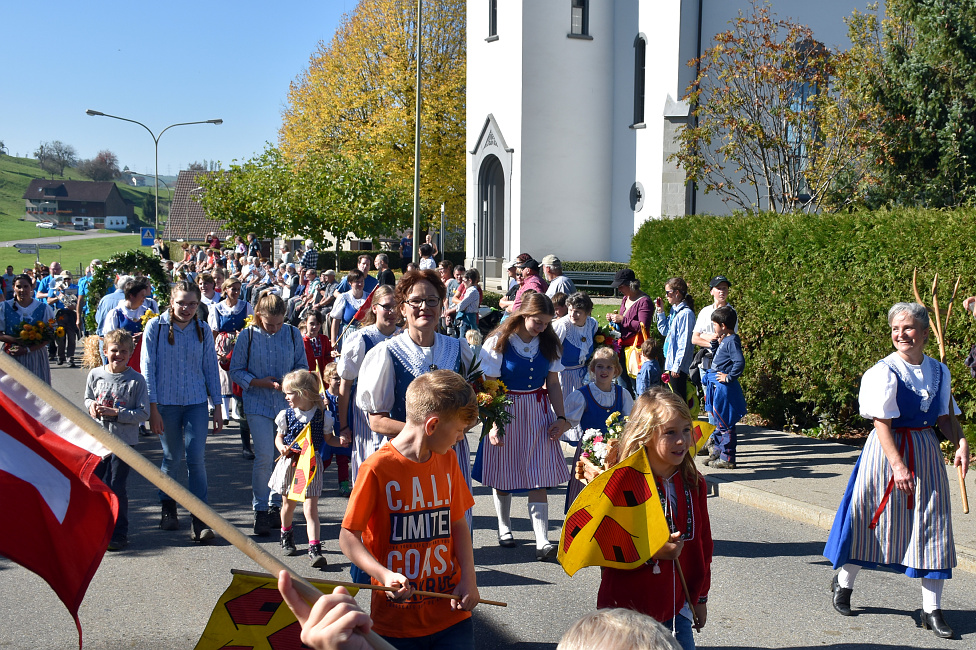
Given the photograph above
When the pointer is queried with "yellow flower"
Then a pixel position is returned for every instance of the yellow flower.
(484, 399)
(599, 338)
(503, 386)
(60, 331)
(248, 321)
(613, 418)
(492, 386)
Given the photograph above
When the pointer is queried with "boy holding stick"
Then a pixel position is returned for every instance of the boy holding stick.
(405, 521)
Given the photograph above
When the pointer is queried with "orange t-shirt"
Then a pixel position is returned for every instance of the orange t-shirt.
(404, 510)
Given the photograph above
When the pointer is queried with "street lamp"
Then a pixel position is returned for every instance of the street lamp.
(155, 142)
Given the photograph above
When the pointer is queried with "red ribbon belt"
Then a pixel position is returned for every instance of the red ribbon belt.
(541, 394)
(905, 443)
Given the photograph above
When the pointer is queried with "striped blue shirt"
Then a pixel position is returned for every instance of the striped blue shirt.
(183, 373)
(267, 355)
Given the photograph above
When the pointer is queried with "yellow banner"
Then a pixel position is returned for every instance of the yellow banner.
(701, 431)
(616, 521)
(252, 614)
(305, 467)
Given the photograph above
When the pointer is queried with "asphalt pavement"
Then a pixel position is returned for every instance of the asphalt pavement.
(769, 521)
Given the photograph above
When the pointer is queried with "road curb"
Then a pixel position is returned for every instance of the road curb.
(802, 512)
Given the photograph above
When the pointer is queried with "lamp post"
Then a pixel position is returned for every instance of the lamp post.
(155, 143)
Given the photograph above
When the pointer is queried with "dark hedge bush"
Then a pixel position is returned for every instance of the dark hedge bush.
(813, 291)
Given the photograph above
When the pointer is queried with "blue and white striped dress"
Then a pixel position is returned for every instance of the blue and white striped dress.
(357, 346)
(528, 459)
(578, 347)
(914, 538)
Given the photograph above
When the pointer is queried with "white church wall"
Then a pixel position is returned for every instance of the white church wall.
(565, 159)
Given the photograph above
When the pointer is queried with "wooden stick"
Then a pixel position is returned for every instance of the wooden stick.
(962, 486)
(684, 585)
(918, 297)
(174, 490)
(938, 318)
(952, 300)
(356, 585)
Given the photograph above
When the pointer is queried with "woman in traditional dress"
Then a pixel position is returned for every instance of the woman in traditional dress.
(576, 331)
(635, 310)
(226, 319)
(128, 315)
(378, 325)
(391, 365)
(346, 306)
(524, 353)
(895, 512)
(20, 309)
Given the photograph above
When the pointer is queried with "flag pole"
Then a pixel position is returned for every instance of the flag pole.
(173, 489)
(354, 318)
(684, 585)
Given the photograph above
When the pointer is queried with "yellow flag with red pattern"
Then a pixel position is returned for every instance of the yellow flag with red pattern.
(305, 466)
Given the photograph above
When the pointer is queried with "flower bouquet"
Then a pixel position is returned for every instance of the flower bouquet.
(493, 399)
(34, 333)
(606, 336)
(598, 448)
(148, 316)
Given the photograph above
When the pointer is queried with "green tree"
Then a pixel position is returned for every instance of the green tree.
(55, 156)
(357, 98)
(769, 132)
(149, 209)
(925, 84)
(103, 167)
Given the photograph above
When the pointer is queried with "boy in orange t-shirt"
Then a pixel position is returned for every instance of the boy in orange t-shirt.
(405, 522)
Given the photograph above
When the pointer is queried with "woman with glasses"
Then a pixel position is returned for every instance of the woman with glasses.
(180, 366)
(378, 325)
(635, 310)
(392, 364)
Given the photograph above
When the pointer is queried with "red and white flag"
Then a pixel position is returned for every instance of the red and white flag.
(64, 514)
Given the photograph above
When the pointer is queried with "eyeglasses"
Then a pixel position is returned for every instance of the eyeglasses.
(430, 301)
(671, 293)
(187, 305)
(390, 307)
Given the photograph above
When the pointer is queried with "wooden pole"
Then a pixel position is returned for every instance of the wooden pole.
(684, 585)
(173, 489)
(962, 486)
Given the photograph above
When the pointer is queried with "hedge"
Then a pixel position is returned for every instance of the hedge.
(813, 291)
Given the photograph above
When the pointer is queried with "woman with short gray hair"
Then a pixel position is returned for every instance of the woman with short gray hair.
(895, 512)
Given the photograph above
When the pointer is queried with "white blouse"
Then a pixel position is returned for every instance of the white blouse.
(566, 329)
(354, 352)
(576, 405)
(879, 387)
(340, 304)
(491, 361)
(377, 382)
(303, 417)
(223, 308)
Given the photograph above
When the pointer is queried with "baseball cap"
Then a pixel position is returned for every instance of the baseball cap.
(717, 280)
(551, 260)
(621, 276)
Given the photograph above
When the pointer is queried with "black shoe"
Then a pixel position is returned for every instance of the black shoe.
(841, 598)
(315, 555)
(288, 543)
(506, 541)
(718, 463)
(274, 516)
(118, 543)
(169, 520)
(261, 525)
(547, 552)
(199, 532)
(936, 623)
(71, 364)
(143, 431)
(247, 454)
(60, 362)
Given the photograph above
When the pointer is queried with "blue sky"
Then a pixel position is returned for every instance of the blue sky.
(157, 63)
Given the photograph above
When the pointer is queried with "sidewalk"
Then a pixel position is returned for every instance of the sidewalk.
(64, 236)
(804, 479)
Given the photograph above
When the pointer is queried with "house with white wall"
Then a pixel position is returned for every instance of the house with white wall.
(572, 110)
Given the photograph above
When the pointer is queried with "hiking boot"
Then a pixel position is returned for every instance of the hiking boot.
(345, 488)
(261, 525)
(274, 516)
(315, 555)
(200, 532)
(169, 520)
(718, 463)
(288, 542)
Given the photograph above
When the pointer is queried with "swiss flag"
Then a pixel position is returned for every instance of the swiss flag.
(64, 515)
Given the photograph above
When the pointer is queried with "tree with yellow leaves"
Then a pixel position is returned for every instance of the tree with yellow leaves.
(357, 96)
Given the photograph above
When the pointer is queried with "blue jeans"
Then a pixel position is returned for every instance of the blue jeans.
(115, 473)
(185, 431)
(683, 633)
(262, 443)
(459, 636)
(725, 442)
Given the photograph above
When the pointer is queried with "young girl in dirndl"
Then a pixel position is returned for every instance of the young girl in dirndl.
(576, 331)
(524, 352)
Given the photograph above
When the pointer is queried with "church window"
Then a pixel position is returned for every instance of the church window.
(492, 18)
(579, 18)
(640, 56)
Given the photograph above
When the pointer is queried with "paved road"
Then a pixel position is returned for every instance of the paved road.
(769, 586)
(66, 236)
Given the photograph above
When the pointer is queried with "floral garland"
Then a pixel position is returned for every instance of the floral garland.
(125, 263)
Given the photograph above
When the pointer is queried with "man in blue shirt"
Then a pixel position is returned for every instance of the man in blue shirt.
(364, 263)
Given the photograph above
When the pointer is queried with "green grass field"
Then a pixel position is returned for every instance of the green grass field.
(72, 253)
(16, 175)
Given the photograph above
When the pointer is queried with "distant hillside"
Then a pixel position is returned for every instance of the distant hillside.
(17, 173)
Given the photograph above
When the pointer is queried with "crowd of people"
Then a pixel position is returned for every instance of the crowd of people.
(376, 367)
